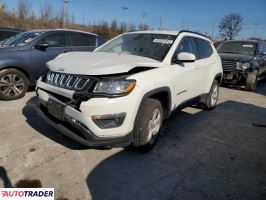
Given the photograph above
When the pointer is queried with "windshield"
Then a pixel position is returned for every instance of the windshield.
(154, 46)
(20, 39)
(246, 48)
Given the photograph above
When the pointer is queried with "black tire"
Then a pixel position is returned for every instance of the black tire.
(13, 84)
(251, 81)
(208, 102)
(142, 140)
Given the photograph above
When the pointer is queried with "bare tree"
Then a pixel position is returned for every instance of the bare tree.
(143, 27)
(230, 26)
(24, 9)
(46, 14)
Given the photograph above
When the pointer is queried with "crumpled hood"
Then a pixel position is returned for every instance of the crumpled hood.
(99, 63)
(236, 57)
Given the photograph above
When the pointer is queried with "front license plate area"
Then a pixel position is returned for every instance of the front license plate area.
(56, 109)
(229, 76)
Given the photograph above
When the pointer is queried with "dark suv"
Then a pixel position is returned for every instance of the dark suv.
(244, 62)
(23, 57)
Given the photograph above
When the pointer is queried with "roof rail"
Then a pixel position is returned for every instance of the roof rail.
(186, 31)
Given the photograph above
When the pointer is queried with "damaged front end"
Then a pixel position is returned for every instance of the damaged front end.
(85, 87)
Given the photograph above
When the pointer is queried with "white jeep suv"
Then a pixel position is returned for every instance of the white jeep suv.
(120, 94)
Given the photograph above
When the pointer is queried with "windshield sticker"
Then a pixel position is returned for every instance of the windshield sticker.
(163, 41)
(248, 45)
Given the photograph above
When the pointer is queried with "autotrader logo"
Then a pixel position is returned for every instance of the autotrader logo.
(26, 193)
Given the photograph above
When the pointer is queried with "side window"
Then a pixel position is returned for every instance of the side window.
(204, 48)
(79, 39)
(260, 47)
(187, 44)
(54, 40)
(264, 46)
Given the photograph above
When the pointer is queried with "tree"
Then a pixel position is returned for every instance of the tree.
(24, 9)
(230, 26)
(46, 14)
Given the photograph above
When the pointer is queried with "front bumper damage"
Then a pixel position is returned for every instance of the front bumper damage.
(77, 123)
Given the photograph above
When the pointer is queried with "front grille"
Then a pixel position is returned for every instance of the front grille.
(68, 81)
(229, 65)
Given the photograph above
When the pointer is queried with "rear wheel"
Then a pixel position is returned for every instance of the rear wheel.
(149, 122)
(13, 84)
(210, 100)
(252, 80)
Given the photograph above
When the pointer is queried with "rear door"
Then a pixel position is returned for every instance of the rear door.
(82, 41)
(204, 62)
(57, 44)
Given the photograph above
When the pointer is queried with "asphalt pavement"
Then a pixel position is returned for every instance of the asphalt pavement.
(218, 154)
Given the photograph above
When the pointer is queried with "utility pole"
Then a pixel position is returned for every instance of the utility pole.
(255, 29)
(183, 23)
(124, 8)
(83, 21)
(213, 27)
(65, 12)
(144, 15)
(161, 23)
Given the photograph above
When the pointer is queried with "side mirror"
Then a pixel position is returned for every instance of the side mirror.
(263, 53)
(41, 46)
(185, 57)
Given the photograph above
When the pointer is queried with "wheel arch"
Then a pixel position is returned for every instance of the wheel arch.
(219, 77)
(162, 94)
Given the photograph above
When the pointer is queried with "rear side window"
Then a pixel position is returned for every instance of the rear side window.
(204, 48)
(54, 40)
(80, 40)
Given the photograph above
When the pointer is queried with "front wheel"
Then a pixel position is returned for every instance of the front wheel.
(210, 100)
(13, 84)
(149, 122)
(252, 80)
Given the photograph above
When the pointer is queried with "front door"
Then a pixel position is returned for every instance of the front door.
(57, 44)
(188, 81)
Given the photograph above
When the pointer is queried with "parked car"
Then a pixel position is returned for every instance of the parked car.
(244, 62)
(6, 33)
(120, 94)
(23, 58)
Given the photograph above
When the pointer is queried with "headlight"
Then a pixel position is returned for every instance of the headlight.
(114, 87)
(243, 66)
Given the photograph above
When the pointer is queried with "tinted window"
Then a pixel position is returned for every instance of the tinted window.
(263, 46)
(54, 40)
(235, 47)
(78, 39)
(6, 34)
(204, 48)
(187, 45)
(100, 41)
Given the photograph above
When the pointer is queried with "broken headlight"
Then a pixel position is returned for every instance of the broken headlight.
(243, 66)
(114, 87)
